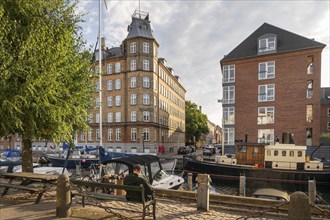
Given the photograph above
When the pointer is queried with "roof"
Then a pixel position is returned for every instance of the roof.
(286, 41)
(113, 52)
(140, 27)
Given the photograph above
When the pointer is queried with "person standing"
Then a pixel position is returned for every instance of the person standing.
(136, 179)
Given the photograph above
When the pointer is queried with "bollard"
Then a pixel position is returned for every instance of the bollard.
(63, 196)
(299, 207)
(190, 181)
(203, 192)
(242, 185)
(312, 191)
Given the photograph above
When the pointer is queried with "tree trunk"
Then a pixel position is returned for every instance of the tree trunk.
(27, 161)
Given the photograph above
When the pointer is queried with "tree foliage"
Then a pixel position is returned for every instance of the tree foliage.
(196, 121)
(44, 72)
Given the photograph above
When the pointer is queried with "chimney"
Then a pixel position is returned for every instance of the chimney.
(103, 43)
(200, 108)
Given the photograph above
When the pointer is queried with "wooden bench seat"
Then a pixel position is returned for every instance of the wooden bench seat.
(93, 193)
(22, 187)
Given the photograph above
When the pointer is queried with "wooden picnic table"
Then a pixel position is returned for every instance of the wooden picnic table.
(23, 180)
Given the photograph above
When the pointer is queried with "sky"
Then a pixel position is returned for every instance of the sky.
(194, 35)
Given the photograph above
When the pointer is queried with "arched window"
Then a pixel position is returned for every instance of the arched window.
(309, 89)
(299, 153)
(275, 152)
(283, 153)
(291, 153)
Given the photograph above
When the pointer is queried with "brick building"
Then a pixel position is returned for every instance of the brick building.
(325, 110)
(271, 84)
(143, 102)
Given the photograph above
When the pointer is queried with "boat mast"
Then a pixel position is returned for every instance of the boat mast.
(100, 75)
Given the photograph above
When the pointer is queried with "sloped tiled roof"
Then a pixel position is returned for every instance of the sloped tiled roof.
(113, 52)
(140, 28)
(286, 41)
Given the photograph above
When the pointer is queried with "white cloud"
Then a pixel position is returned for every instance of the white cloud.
(195, 35)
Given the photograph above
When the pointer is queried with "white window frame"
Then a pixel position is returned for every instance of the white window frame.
(82, 136)
(117, 67)
(118, 100)
(118, 134)
(90, 134)
(110, 117)
(266, 115)
(118, 116)
(146, 82)
(146, 99)
(229, 115)
(133, 65)
(229, 136)
(109, 85)
(97, 101)
(268, 94)
(267, 43)
(146, 116)
(97, 134)
(97, 118)
(118, 84)
(90, 118)
(266, 70)
(133, 99)
(97, 85)
(266, 136)
(133, 116)
(145, 47)
(133, 82)
(146, 134)
(110, 134)
(133, 134)
(146, 65)
(309, 92)
(109, 68)
(109, 99)
(132, 48)
(229, 94)
(228, 74)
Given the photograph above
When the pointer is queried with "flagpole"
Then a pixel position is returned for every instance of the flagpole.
(100, 74)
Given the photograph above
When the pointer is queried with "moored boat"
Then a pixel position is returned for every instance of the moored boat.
(279, 163)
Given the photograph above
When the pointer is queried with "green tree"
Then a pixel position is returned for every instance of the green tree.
(45, 88)
(196, 122)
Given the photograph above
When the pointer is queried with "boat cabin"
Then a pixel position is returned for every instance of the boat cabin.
(250, 154)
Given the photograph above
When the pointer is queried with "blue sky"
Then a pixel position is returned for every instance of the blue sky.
(195, 35)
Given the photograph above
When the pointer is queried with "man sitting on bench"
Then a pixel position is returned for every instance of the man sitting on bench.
(136, 179)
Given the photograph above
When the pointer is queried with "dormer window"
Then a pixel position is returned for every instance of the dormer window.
(267, 44)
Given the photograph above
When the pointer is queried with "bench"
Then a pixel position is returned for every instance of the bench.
(13, 186)
(94, 193)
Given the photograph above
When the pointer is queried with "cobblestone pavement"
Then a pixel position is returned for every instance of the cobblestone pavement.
(167, 209)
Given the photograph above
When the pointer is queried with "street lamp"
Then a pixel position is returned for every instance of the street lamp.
(142, 136)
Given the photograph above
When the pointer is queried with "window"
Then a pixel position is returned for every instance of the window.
(133, 47)
(109, 98)
(118, 84)
(229, 94)
(110, 118)
(110, 134)
(133, 82)
(118, 100)
(229, 115)
(266, 70)
(133, 65)
(118, 116)
(267, 43)
(133, 116)
(299, 153)
(109, 85)
(146, 99)
(155, 101)
(146, 116)
(145, 47)
(97, 118)
(133, 134)
(328, 112)
(228, 74)
(229, 134)
(269, 153)
(97, 101)
(275, 152)
(82, 136)
(109, 69)
(266, 136)
(146, 82)
(146, 65)
(265, 115)
(90, 134)
(90, 118)
(266, 93)
(310, 67)
(309, 89)
(133, 99)
(283, 153)
(118, 134)
(117, 68)
(291, 153)
(146, 134)
(97, 85)
(328, 125)
(309, 113)
(97, 134)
